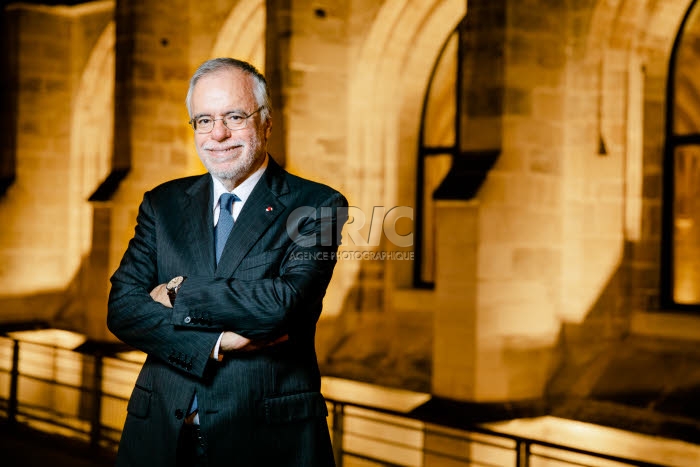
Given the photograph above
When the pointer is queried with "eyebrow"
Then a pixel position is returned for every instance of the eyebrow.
(196, 116)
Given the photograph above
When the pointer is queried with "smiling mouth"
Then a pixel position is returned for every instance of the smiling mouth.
(223, 151)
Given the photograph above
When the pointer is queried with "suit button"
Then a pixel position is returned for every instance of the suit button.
(179, 414)
(187, 320)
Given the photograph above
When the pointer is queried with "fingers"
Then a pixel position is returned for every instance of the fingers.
(255, 345)
(280, 339)
(160, 295)
(232, 342)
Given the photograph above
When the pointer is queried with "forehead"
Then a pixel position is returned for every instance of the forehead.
(223, 91)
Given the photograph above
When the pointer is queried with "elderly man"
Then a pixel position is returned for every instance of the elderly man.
(222, 286)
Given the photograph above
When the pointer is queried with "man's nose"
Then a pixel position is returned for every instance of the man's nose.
(220, 131)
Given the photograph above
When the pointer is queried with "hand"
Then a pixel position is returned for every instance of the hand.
(160, 295)
(231, 341)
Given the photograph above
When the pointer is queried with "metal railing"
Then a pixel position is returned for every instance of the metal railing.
(413, 442)
(84, 396)
(58, 390)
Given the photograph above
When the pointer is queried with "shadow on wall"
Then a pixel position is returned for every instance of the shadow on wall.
(366, 343)
(611, 377)
(62, 309)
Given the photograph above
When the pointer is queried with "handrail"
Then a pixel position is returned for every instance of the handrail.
(521, 441)
(93, 398)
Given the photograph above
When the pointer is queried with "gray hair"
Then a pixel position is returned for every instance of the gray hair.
(260, 88)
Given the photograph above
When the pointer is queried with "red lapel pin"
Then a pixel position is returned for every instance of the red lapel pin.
(268, 209)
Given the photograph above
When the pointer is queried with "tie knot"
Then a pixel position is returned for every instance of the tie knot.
(226, 201)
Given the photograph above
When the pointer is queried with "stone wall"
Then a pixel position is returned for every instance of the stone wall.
(555, 259)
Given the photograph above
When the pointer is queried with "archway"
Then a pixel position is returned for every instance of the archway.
(387, 89)
(92, 129)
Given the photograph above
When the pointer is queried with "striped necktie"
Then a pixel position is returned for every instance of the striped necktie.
(221, 233)
(225, 224)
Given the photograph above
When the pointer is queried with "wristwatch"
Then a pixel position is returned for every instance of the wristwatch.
(173, 286)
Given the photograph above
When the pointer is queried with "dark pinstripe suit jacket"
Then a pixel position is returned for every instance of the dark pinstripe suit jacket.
(260, 408)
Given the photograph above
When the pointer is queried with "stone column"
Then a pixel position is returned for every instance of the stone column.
(277, 37)
(499, 211)
(152, 140)
(455, 315)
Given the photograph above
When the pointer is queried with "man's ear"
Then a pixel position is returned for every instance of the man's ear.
(268, 128)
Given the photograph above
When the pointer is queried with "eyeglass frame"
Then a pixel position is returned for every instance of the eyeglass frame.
(193, 121)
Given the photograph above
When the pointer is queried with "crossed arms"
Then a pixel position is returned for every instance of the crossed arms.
(250, 313)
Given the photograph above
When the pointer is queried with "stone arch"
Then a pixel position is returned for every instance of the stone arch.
(243, 34)
(92, 128)
(615, 96)
(627, 35)
(629, 45)
(387, 87)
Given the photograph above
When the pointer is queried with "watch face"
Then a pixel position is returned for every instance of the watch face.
(175, 282)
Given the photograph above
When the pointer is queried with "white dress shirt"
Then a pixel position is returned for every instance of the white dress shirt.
(243, 192)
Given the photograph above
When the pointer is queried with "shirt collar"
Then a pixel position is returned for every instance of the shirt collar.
(243, 190)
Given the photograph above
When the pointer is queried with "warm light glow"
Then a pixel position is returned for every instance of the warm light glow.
(601, 439)
(686, 236)
(51, 337)
(686, 161)
(372, 395)
(135, 356)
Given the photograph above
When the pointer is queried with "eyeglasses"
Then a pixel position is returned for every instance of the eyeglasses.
(233, 121)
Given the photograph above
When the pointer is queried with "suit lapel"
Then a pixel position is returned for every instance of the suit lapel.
(197, 231)
(261, 210)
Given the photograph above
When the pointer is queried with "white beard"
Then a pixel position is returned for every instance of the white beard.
(236, 171)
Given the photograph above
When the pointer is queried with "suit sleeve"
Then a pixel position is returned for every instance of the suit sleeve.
(135, 318)
(291, 300)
